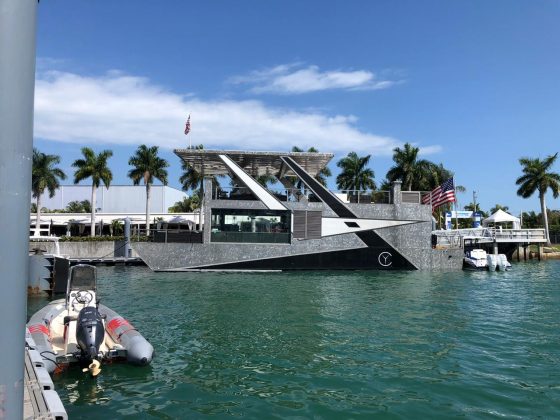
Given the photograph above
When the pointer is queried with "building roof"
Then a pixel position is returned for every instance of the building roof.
(254, 163)
(62, 219)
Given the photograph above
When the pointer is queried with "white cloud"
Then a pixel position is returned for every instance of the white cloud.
(294, 79)
(121, 109)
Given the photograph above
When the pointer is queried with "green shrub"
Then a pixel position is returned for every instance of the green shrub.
(101, 238)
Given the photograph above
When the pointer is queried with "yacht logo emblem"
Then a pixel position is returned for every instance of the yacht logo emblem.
(385, 259)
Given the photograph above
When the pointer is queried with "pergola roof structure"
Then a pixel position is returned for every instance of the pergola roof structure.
(255, 164)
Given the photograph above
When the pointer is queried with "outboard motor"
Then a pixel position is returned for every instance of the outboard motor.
(492, 262)
(89, 333)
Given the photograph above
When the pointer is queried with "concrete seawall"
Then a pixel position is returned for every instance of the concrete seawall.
(99, 249)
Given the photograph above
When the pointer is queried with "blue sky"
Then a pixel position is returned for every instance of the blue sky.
(474, 84)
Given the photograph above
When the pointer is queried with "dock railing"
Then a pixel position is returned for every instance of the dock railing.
(456, 238)
(519, 235)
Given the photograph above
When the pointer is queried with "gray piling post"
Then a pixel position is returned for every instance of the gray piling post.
(17, 84)
(127, 248)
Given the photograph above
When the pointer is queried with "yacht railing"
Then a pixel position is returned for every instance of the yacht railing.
(364, 196)
(298, 195)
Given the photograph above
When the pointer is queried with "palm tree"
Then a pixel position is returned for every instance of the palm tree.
(116, 228)
(95, 167)
(434, 175)
(74, 207)
(266, 179)
(408, 168)
(530, 220)
(147, 166)
(186, 205)
(86, 206)
(476, 207)
(499, 207)
(192, 179)
(538, 177)
(44, 176)
(355, 175)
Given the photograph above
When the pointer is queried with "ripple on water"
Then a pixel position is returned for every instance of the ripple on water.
(351, 344)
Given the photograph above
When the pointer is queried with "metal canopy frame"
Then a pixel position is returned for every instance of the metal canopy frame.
(208, 162)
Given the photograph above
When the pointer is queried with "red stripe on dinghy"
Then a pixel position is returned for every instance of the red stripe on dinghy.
(117, 323)
(39, 328)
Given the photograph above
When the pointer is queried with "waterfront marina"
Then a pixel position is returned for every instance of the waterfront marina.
(408, 344)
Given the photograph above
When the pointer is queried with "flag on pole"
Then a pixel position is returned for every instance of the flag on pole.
(445, 193)
(188, 125)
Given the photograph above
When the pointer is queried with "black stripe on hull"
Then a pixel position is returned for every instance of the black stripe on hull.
(370, 237)
(370, 258)
(320, 191)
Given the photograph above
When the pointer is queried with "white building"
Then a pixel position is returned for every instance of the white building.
(125, 199)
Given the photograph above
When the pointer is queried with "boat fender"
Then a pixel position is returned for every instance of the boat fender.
(40, 334)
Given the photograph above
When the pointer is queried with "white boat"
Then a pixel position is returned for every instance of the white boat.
(475, 259)
(79, 330)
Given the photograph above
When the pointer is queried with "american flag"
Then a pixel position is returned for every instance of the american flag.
(188, 125)
(445, 193)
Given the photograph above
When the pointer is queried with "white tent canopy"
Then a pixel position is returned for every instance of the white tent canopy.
(182, 220)
(501, 217)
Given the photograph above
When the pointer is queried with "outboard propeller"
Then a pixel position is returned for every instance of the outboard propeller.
(93, 368)
(89, 333)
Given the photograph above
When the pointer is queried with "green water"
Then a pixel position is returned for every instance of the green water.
(331, 345)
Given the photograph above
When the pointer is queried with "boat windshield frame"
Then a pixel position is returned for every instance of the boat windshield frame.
(82, 277)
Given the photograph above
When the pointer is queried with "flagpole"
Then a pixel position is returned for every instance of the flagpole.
(455, 205)
(188, 130)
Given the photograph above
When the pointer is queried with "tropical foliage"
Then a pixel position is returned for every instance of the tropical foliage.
(476, 207)
(531, 220)
(147, 167)
(93, 166)
(186, 205)
(499, 207)
(33, 208)
(416, 174)
(413, 172)
(44, 176)
(76, 206)
(266, 179)
(537, 176)
(355, 174)
(191, 179)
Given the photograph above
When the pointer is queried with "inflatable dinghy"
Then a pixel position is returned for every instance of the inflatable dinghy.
(78, 330)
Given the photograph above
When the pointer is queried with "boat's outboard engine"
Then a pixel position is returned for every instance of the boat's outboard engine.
(89, 333)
